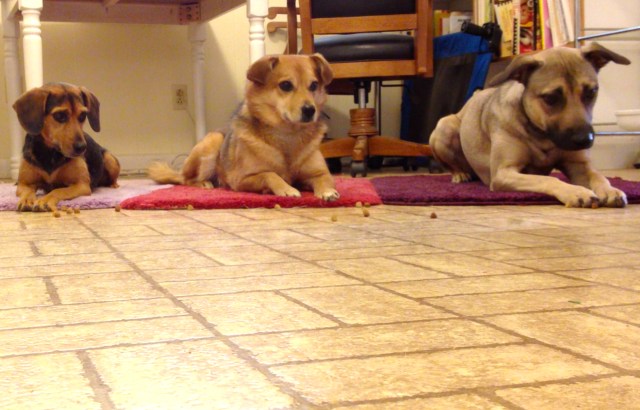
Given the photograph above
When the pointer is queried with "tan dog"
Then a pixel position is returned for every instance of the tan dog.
(273, 143)
(536, 118)
(58, 156)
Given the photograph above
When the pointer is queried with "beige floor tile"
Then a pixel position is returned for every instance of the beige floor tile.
(54, 381)
(248, 284)
(458, 243)
(620, 393)
(483, 284)
(409, 375)
(365, 252)
(520, 239)
(47, 261)
(311, 345)
(573, 250)
(245, 255)
(461, 265)
(185, 228)
(128, 230)
(203, 375)
(581, 262)
(169, 258)
(63, 269)
(278, 236)
(535, 300)
(381, 269)
(364, 305)
(102, 287)
(71, 246)
(244, 313)
(23, 293)
(11, 249)
(234, 271)
(629, 313)
(178, 242)
(90, 336)
(624, 277)
(602, 339)
(458, 402)
(369, 241)
(61, 315)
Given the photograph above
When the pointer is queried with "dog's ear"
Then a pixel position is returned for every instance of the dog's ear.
(30, 108)
(260, 70)
(323, 69)
(599, 56)
(93, 105)
(519, 69)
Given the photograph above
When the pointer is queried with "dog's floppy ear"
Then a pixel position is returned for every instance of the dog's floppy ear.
(519, 69)
(93, 105)
(599, 56)
(323, 69)
(260, 70)
(30, 108)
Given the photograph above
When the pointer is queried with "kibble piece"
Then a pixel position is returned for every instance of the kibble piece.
(334, 218)
(190, 207)
(365, 212)
(367, 204)
(117, 208)
(276, 206)
(358, 204)
(433, 215)
(56, 214)
(69, 211)
(76, 210)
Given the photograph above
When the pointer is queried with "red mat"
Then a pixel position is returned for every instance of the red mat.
(352, 190)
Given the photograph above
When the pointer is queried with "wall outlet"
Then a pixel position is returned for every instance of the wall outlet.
(179, 96)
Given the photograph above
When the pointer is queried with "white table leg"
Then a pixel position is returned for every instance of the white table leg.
(12, 84)
(31, 42)
(197, 37)
(257, 11)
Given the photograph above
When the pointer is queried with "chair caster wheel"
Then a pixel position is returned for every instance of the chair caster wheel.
(358, 167)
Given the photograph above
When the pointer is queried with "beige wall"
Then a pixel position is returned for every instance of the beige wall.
(131, 69)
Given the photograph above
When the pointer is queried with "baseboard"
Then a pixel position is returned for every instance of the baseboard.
(129, 164)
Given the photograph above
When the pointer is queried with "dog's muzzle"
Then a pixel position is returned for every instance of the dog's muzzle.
(574, 139)
(79, 147)
(308, 113)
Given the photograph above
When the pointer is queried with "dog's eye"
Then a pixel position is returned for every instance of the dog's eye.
(61, 117)
(552, 99)
(589, 93)
(82, 117)
(286, 86)
(314, 86)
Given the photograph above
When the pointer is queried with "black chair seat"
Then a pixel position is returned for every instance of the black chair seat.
(365, 47)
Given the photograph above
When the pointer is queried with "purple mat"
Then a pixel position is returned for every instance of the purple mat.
(439, 190)
(100, 198)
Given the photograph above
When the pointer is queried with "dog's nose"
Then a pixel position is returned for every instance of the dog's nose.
(308, 112)
(583, 137)
(79, 146)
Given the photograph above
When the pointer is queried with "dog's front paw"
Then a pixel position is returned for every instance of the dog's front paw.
(459, 177)
(287, 191)
(611, 197)
(329, 195)
(579, 197)
(26, 204)
(46, 204)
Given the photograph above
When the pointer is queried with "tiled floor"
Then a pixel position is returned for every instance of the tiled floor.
(533, 307)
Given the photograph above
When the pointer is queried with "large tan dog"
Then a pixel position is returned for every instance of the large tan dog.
(273, 143)
(535, 118)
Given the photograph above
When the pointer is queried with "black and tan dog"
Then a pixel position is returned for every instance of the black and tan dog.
(536, 117)
(273, 143)
(58, 156)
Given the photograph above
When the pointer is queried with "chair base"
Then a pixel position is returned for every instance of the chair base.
(364, 142)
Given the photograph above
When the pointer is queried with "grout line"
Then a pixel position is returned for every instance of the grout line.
(100, 390)
(52, 290)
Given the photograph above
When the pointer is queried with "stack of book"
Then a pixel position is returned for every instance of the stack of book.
(528, 25)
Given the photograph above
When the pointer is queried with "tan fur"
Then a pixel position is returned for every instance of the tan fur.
(71, 179)
(535, 118)
(274, 140)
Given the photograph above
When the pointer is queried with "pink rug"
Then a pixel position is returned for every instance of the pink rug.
(439, 190)
(352, 190)
(100, 198)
